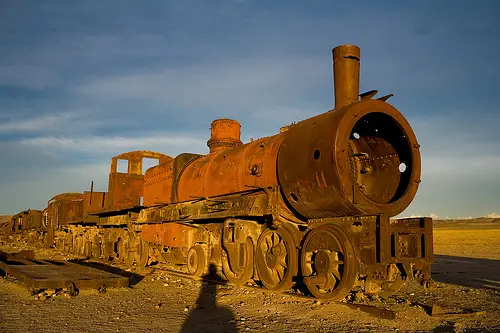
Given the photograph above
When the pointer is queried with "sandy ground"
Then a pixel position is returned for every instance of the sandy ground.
(466, 272)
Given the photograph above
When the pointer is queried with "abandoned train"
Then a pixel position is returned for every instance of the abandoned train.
(312, 203)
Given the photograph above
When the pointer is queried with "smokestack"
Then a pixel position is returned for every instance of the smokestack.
(224, 134)
(346, 74)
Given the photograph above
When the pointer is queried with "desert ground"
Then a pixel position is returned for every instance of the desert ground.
(466, 272)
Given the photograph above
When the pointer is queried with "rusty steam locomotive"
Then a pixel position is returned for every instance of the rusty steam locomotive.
(312, 203)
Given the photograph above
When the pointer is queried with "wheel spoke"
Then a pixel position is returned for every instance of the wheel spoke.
(284, 267)
(281, 272)
(268, 242)
(275, 276)
(282, 260)
(330, 281)
(275, 238)
(336, 274)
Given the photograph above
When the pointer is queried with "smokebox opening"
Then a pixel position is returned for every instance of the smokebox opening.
(380, 158)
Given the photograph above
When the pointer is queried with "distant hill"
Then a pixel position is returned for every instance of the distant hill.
(477, 222)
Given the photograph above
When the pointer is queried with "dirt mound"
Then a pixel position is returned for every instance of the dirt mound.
(4, 218)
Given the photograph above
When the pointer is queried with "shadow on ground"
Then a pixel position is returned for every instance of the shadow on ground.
(207, 316)
(467, 272)
(134, 278)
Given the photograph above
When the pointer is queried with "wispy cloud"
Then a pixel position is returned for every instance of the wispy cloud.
(28, 76)
(247, 82)
(37, 124)
(105, 144)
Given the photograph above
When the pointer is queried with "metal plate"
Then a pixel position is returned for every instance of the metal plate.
(43, 274)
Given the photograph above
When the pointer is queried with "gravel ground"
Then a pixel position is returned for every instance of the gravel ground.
(466, 280)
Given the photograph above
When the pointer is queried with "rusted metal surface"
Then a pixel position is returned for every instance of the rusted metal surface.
(372, 310)
(346, 74)
(440, 312)
(381, 267)
(125, 187)
(158, 184)
(232, 170)
(411, 238)
(24, 254)
(94, 202)
(276, 259)
(64, 209)
(225, 134)
(135, 160)
(239, 238)
(169, 234)
(248, 203)
(26, 220)
(43, 274)
(328, 262)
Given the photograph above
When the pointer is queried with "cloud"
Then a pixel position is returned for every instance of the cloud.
(37, 124)
(247, 82)
(28, 76)
(106, 144)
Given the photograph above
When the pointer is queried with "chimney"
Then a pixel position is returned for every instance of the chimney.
(224, 134)
(346, 74)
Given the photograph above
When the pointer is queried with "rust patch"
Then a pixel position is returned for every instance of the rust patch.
(169, 234)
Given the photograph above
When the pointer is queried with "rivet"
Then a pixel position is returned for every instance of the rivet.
(416, 145)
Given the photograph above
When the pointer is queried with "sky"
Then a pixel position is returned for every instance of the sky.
(83, 81)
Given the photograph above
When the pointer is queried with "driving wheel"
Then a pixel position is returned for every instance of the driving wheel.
(142, 257)
(276, 259)
(328, 263)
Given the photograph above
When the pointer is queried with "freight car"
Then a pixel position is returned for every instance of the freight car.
(26, 220)
(25, 226)
(312, 203)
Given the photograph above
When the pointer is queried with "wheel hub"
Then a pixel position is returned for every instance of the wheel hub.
(271, 260)
(193, 260)
(322, 262)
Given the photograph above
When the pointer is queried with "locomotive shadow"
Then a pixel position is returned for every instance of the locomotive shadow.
(133, 278)
(467, 272)
(207, 316)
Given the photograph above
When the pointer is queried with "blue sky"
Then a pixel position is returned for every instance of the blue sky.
(83, 81)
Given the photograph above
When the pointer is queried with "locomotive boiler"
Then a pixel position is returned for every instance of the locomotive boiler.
(311, 204)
